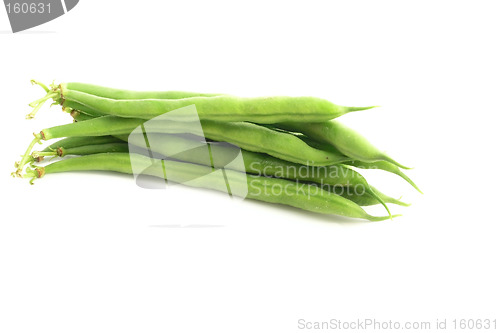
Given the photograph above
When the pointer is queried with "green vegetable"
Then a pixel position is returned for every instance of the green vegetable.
(284, 150)
(386, 166)
(343, 138)
(90, 149)
(251, 137)
(220, 155)
(54, 93)
(77, 141)
(248, 136)
(69, 106)
(381, 165)
(72, 142)
(264, 110)
(128, 94)
(216, 154)
(366, 199)
(311, 198)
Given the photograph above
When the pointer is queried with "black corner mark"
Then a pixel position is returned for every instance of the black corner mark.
(26, 14)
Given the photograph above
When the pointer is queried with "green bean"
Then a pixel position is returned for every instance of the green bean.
(129, 94)
(114, 147)
(388, 199)
(265, 110)
(245, 135)
(311, 198)
(77, 141)
(80, 116)
(72, 142)
(147, 105)
(174, 146)
(381, 165)
(102, 126)
(69, 106)
(247, 147)
(365, 199)
(107, 125)
(220, 155)
(248, 136)
(386, 166)
(54, 92)
(181, 148)
(260, 139)
(343, 138)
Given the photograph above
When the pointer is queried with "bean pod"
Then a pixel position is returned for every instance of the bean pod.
(311, 198)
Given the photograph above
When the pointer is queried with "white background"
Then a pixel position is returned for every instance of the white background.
(92, 252)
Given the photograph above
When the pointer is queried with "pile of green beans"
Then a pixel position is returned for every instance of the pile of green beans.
(287, 143)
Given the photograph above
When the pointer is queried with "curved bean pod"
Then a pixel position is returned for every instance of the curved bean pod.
(77, 141)
(365, 199)
(129, 94)
(115, 147)
(311, 198)
(180, 148)
(72, 142)
(260, 139)
(55, 93)
(281, 145)
(264, 110)
(81, 116)
(344, 139)
(278, 144)
(102, 126)
(381, 165)
(386, 166)
(220, 155)
(70, 106)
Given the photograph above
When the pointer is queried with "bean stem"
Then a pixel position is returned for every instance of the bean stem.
(40, 102)
(44, 87)
(38, 154)
(27, 155)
